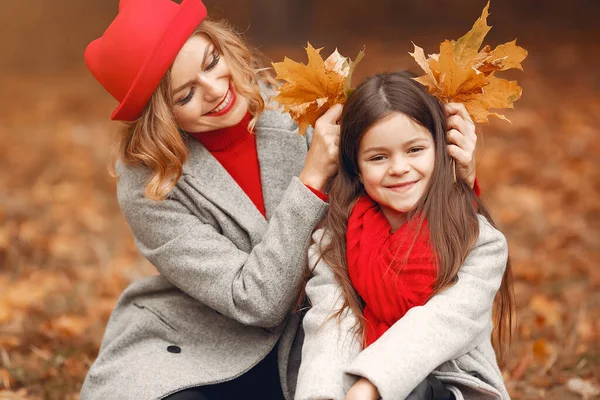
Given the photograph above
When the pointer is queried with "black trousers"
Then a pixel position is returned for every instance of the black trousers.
(260, 382)
(431, 388)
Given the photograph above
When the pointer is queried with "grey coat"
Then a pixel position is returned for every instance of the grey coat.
(449, 335)
(228, 277)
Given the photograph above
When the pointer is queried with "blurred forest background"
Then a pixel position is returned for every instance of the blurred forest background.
(66, 252)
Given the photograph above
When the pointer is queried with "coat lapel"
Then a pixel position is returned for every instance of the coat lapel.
(281, 155)
(215, 184)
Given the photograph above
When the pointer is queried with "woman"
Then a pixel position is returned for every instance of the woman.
(408, 263)
(225, 215)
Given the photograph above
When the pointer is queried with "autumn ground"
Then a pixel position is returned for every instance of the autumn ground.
(66, 252)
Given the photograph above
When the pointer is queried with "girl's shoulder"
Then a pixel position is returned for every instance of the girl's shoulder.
(320, 235)
(489, 235)
(320, 238)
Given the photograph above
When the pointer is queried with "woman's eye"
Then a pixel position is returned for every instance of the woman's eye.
(187, 98)
(216, 57)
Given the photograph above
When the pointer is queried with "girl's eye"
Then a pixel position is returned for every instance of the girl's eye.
(187, 98)
(216, 57)
(377, 158)
(415, 149)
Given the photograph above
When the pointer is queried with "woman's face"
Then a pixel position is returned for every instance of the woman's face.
(203, 92)
(395, 160)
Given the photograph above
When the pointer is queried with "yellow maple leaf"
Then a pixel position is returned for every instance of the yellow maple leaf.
(310, 90)
(462, 72)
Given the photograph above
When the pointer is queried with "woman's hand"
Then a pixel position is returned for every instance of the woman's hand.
(363, 389)
(462, 138)
(322, 158)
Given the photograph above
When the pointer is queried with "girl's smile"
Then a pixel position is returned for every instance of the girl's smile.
(402, 187)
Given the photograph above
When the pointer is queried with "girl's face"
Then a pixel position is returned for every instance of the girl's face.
(203, 92)
(395, 160)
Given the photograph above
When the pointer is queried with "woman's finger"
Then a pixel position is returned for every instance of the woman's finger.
(332, 115)
(455, 137)
(457, 108)
(462, 157)
(456, 122)
(465, 127)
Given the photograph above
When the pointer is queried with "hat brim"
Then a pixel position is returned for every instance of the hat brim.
(178, 31)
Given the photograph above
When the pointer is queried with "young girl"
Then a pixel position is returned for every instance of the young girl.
(408, 261)
(221, 196)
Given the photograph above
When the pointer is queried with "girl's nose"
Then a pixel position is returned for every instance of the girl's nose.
(398, 166)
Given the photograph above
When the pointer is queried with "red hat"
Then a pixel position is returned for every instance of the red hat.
(138, 47)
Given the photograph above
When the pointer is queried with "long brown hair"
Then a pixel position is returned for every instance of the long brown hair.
(154, 139)
(447, 206)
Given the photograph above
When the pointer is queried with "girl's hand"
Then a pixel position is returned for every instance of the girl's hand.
(363, 389)
(462, 138)
(322, 158)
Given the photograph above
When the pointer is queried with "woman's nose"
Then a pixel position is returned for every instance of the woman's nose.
(212, 89)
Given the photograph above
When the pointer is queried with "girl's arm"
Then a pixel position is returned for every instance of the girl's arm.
(329, 343)
(449, 325)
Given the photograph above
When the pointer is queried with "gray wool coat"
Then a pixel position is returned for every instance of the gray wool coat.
(449, 335)
(228, 277)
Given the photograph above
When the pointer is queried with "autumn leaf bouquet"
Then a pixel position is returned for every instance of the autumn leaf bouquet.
(461, 72)
(310, 90)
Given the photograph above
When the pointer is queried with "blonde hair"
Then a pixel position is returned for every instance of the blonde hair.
(154, 139)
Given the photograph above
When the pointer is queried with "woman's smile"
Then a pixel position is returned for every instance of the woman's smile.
(225, 105)
(211, 101)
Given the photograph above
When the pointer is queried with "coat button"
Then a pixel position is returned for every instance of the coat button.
(174, 349)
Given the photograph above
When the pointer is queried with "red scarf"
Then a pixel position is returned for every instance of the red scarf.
(389, 275)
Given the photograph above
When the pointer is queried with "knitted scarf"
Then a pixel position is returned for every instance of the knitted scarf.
(391, 272)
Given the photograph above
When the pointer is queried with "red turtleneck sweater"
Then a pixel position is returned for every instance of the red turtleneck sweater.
(235, 149)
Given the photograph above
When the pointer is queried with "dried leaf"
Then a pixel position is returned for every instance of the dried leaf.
(461, 72)
(6, 378)
(466, 48)
(9, 342)
(428, 80)
(6, 395)
(503, 57)
(310, 90)
(549, 310)
(518, 371)
(544, 354)
(542, 350)
(68, 326)
(5, 311)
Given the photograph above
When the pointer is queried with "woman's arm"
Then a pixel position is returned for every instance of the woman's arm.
(449, 325)
(329, 343)
(255, 288)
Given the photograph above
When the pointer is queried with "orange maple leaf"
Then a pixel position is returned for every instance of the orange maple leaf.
(461, 72)
(310, 90)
